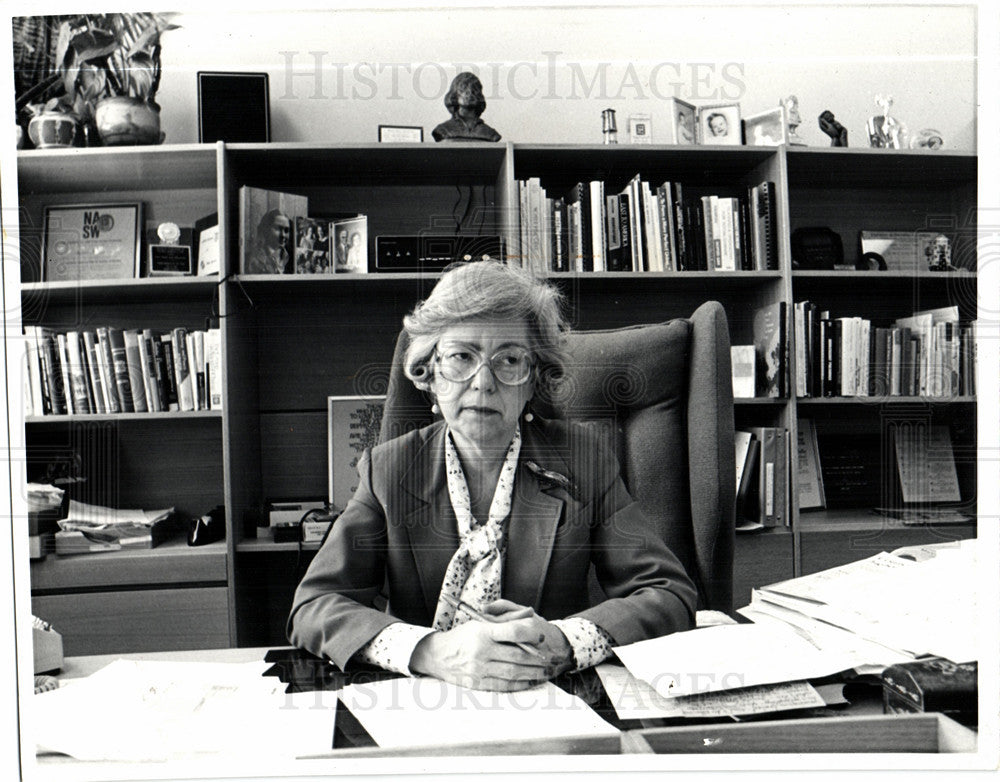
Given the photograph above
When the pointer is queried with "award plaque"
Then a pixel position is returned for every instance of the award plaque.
(169, 258)
(98, 242)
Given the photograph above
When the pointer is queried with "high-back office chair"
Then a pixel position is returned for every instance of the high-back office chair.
(667, 389)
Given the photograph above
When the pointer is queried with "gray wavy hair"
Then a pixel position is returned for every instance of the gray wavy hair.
(489, 290)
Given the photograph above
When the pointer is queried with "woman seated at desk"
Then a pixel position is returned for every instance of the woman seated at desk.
(491, 506)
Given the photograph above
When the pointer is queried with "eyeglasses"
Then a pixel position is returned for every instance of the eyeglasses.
(510, 366)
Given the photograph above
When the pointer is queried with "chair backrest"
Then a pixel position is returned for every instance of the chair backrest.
(666, 391)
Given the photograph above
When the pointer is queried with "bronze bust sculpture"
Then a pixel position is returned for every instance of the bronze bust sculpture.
(465, 101)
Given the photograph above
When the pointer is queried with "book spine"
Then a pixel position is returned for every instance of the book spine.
(597, 238)
(612, 235)
(198, 369)
(625, 230)
(213, 368)
(136, 375)
(107, 364)
(77, 373)
(123, 379)
(182, 370)
(560, 237)
(162, 378)
(708, 220)
(153, 401)
(94, 370)
(666, 226)
(168, 357)
(33, 356)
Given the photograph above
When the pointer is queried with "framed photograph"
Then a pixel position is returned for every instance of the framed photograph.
(766, 129)
(682, 122)
(206, 244)
(92, 242)
(400, 134)
(267, 229)
(640, 129)
(353, 424)
(720, 124)
(350, 245)
(312, 246)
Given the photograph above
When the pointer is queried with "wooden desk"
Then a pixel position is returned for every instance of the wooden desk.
(850, 732)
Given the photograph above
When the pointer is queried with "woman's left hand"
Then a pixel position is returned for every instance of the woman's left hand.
(552, 643)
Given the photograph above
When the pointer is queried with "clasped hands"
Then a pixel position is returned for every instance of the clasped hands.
(484, 655)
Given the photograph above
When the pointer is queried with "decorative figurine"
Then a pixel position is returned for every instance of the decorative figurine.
(885, 131)
(609, 127)
(794, 119)
(939, 254)
(928, 138)
(466, 102)
(837, 132)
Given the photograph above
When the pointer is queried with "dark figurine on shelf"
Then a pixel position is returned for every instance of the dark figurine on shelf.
(837, 132)
(465, 101)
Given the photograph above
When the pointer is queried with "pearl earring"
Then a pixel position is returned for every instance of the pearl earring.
(529, 417)
(435, 409)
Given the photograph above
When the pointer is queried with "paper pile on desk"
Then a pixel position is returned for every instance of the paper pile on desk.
(426, 711)
(152, 710)
(867, 615)
(90, 528)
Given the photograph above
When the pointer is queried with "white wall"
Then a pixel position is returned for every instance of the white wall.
(831, 57)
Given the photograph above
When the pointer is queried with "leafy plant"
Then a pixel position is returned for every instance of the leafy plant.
(68, 64)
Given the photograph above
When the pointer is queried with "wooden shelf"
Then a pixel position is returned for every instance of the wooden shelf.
(889, 276)
(151, 289)
(881, 168)
(862, 520)
(173, 562)
(158, 167)
(885, 400)
(176, 415)
(264, 544)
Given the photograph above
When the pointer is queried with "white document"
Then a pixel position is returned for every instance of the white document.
(634, 699)
(426, 711)
(156, 710)
(727, 657)
(83, 515)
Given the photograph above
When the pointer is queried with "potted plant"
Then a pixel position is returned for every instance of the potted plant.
(99, 72)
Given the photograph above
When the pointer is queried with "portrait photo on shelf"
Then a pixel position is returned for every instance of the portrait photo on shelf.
(350, 249)
(682, 122)
(312, 246)
(720, 124)
(766, 129)
(267, 224)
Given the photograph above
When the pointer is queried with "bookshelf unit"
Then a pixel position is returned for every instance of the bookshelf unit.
(290, 341)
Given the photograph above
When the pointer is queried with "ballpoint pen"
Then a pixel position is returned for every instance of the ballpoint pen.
(461, 605)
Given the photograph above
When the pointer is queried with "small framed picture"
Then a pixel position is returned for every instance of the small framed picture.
(720, 124)
(766, 129)
(400, 134)
(312, 246)
(640, 129)
(682, 122)
(350, 245)
(353, 425)
(92, 242)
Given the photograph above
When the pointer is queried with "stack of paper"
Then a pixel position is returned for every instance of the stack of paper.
(154, 710)
(89, 528)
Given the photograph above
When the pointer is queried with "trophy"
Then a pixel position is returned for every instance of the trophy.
(609, 127)
(169, 258)
(885, 131)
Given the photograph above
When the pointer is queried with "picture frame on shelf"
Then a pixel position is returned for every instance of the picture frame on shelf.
(206, 245)
(766, 128)
(719, 123)
(682, 125)
(353, 424)
(352, 257)
(640, 129)
(312, 246)
(92, 242)
(400, 134)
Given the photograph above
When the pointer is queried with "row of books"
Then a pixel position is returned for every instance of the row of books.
(596, 227)
(762, 484)
(112, 370)
(927, 354)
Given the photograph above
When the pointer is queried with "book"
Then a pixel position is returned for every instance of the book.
(744, 368)
(769, 467)
(33, 366)
(809, 474)
(925, 464)
(182, 370)
(105, 363)
(597, 229)
(771, 347)
(198, 369)
(267, 220)
(153, 402)
(213, 368)
(123, 378)
(579, 198)
(560, 236)
(167, 341)
(89, 349)
(748, 490)
(136, 371)
(77, 372)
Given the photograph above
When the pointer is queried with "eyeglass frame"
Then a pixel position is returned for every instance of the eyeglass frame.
(489, 363)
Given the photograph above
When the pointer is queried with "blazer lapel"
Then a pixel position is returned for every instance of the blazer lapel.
(428, 518)
(534, 517)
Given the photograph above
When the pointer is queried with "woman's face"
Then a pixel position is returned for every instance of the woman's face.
(482, 412)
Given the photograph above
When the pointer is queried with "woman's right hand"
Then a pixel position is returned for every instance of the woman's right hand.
(483, 656)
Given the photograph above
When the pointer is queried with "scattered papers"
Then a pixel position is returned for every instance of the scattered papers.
(426, 711)
(154, 711)
(82, 516)
(634, 699)
(43, 497)
(726, 657)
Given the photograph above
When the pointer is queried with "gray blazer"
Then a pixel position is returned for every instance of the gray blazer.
(399, 530)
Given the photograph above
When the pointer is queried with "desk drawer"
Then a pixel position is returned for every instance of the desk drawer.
(138, 621)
